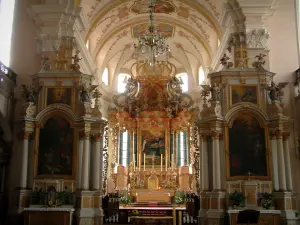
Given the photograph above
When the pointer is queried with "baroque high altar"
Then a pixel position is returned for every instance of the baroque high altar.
(157, 144)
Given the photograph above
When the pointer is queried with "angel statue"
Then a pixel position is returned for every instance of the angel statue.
(214, 90)
(260, 61)
(85, 92)
(131, 88)
(276, 92)
(30, 94)
(75, 66)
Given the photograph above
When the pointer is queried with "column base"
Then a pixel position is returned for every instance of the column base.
(89, 208)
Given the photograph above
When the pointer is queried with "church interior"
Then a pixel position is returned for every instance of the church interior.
(168, 112)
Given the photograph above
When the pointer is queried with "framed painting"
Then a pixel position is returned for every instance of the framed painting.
(247, 148)
(243, 93)
(153, 147)
(59, 95)
(55, 148)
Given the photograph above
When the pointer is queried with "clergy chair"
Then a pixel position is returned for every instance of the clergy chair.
(248, 216)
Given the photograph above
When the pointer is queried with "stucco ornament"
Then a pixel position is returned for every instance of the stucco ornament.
(31, 110)
(85, 91)
(257, 38)
(260, 61)
(224, 61)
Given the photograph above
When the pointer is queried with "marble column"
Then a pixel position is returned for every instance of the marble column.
(96, 162)
(281, 166)
(274, 162)
(85, 162)
(24, 163)
(287, 161)
(216, 162)
(30, 167)
(204, 163)
(79, 162)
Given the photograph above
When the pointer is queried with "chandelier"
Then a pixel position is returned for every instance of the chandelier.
(152, 47)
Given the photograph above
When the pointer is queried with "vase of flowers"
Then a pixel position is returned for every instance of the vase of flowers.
(237, 199)
(267, 200)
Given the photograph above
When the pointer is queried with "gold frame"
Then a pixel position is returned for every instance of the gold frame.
(267, 146)
(244, 85)
(72, 100)
(75, 149)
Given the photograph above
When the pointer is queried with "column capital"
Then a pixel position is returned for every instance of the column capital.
(279, 134)
(97, 137)
(86, 135)
(27, 134)
(216, 135)
(273, 135)
(286, 136)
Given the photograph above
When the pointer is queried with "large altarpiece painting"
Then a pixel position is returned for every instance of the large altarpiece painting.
(247, 147)
(56, 148)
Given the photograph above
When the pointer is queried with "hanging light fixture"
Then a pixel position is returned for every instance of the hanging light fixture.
(152, 47)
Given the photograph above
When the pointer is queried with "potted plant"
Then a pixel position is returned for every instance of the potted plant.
(267, 200)
(237, 199)
(180, 197)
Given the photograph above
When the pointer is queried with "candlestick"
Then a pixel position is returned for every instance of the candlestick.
(140, 161)
(144, 161)
(161, 161)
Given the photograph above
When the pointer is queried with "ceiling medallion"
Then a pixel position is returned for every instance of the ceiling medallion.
(151, 47)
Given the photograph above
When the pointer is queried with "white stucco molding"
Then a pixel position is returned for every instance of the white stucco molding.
(243, 107)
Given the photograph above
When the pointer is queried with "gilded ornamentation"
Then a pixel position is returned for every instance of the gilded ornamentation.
(242, 57)
(61, 59)
(196, 165)
(105, 159)
(276, 92)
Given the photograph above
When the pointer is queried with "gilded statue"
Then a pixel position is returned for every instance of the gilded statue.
(75, 66)
(276, 92)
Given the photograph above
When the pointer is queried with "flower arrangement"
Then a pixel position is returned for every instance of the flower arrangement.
(125, 198)
(266, 200)
(237, 199)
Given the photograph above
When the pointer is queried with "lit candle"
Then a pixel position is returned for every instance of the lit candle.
(144, 161)
(161, 161)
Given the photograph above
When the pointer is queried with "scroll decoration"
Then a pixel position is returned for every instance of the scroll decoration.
(196, 156)
(105, 160)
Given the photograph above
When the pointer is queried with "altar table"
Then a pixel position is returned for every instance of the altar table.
(270, 217)
(48, 216)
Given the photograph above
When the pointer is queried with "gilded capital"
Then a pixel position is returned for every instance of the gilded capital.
(279, 134)
(86, 135)
(27, 134)
(286, 136)
(273, 135)
(216, 135)
(97, 137)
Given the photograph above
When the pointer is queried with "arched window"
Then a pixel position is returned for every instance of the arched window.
(185, 81)
(6, 21)
(122, 78)
(124, 146)
(182, 149)
(105, 76)
(201, 75)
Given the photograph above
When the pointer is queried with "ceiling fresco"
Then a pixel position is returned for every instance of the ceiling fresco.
(190, 26)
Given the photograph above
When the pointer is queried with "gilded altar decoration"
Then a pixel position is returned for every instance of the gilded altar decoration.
(55, 151)
(242, 57)
(61, 59)
(105, 160)
(247, 148)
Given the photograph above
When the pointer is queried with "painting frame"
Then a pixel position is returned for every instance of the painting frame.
(52, 89)
(233, 88)
(37, 151)
(227, 154)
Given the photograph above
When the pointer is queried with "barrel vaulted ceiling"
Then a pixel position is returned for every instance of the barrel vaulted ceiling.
(191, 27)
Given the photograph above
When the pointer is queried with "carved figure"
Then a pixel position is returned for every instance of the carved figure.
(276, 92)
(260, 61)
(174, 90)
(75, 66)
(85, 92)
(45, 65)
(29, 93)
(214, 90)
(131, 88)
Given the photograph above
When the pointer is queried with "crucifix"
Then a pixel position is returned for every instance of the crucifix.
(249, 174)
